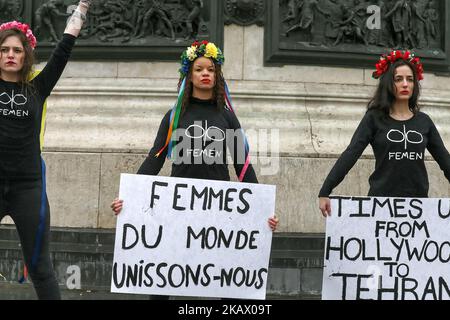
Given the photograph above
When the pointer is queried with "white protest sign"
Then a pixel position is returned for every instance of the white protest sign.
(387, 249)
(190, 237)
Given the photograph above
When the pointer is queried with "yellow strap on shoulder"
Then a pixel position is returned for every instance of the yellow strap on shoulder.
(44, 112)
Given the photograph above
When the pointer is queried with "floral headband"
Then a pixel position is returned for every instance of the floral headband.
(387, 60)
(200, 49)
(22, 27)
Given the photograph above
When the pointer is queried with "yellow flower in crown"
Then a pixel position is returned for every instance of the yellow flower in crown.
(211, 51)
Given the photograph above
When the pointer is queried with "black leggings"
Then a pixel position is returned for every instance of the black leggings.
(26, 202)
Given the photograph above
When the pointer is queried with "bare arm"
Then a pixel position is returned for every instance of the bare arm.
(58, 13)
(75, 22)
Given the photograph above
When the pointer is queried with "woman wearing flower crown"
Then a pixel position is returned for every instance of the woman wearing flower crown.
(398, 132)
(196, 132)
(22, 114)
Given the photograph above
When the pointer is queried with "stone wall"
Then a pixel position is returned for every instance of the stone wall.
(103, 117)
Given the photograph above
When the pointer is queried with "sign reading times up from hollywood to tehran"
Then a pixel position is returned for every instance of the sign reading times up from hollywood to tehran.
(189, 237)
(387, 249)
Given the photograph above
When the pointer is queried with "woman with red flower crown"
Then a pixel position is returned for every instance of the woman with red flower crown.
(196, 131)
(22, 116)
(398, 132)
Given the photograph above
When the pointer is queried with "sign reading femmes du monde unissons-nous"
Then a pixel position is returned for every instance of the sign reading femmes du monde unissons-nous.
(189, 237)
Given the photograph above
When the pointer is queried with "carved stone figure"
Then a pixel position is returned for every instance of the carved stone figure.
(335, 13)
(401, 19)
(360, 20)
(157, 16)
(142, 7)
(431, 17)
(350, 27)
(194, 16)
(419, 25)
(293, 10)
(112, 23)
(307, 15)
(45, 17)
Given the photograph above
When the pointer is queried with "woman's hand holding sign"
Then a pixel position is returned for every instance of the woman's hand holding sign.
(116, 206)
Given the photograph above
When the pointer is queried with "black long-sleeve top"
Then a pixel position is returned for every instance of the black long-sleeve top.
(203, 135)
(399, 149)
(21, 112)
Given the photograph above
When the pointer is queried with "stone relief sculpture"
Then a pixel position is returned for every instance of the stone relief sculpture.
(127, 21)
(431, 17)
(353, 26)
(156, 20)
(46, 14)
(112, 22)
(401, 19)
(195, 7)
(304, 19)
(335, 15)
(334, 23)
(419, 28)
(293, 10)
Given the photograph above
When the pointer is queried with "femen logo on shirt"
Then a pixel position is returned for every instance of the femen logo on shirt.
(204, 144)
(13, 101)
(204, 137)
(196, 131)
(410, 137)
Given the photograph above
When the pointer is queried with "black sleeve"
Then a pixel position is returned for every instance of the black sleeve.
(47, 79)
(438, 151)
(152, 164)
(361, 138)
(237, 149)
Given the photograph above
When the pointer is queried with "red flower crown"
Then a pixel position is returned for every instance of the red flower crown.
(387, 60)
(22, 27)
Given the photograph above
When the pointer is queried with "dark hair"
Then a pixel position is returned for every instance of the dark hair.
(218, 90)
(29, 55)
(384, 97)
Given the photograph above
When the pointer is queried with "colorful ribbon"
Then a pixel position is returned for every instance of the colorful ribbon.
(175, 117)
